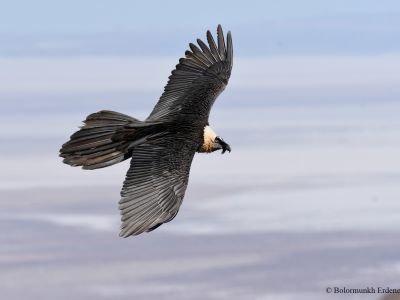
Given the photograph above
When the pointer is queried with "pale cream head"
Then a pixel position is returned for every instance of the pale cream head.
(209, 138)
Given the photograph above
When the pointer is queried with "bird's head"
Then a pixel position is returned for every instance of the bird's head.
(212, 142)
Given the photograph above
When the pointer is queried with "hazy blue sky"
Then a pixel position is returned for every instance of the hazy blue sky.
(77, 55)
(46, 16)
(285, 51)
(260, 28)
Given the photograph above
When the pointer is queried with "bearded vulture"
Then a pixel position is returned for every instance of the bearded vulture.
(162, 147)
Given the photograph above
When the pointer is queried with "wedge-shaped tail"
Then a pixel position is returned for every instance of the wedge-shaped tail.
(94, 146)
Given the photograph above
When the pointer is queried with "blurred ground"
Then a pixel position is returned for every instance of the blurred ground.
(308, 199)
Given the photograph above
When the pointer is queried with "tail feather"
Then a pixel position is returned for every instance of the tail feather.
(94, 145)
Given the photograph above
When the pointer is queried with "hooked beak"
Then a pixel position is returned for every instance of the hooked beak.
(220, 144)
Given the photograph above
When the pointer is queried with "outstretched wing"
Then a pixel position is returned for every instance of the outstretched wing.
(197, 80)
(155, 184)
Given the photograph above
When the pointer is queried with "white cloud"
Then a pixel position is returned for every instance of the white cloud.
(86, 74)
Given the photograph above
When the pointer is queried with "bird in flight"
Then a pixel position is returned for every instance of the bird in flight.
(162, 147)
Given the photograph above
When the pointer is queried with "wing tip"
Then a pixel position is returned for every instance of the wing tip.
(127, 231)
(229, 47)
(207, 55)
(123, 235)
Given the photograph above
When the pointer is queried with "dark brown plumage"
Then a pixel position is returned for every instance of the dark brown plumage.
(162, 147)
